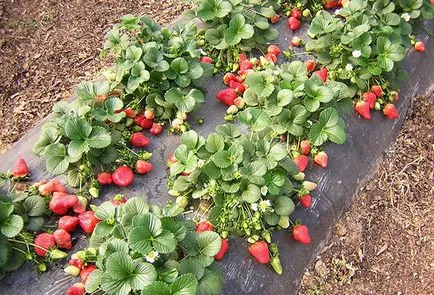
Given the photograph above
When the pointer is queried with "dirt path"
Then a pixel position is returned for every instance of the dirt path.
(48, 46)
(385, 243)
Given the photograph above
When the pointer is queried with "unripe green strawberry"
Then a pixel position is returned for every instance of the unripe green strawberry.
(277, 266)
(300, 176)
(310, 186)
(72, 270)
(182, 201)
(283, 222)
(232, 110)
(56, 254)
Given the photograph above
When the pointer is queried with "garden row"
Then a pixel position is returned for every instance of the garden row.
(245, 177)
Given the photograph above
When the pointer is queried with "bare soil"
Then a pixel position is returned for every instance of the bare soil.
(48, 46)
(385, 243)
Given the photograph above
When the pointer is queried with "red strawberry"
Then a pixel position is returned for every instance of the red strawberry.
(46, 189)
(88, 221)
(123, 176)
(86, 271)
(63, 239)
(227, 96)
(156, 129)
(395, 95)
(275, 19)
(293, 23)
(321, 159)
(57, 186)
(60, 203)
(322, 74)
(306, 201)
(301, 234)
(296, 13)
(77, 262)
(150, 115)
(273, 49)
(246, 65)
(81, 205)
(139, 118)
(271, 58)
(43, 243)
(68, 223)
(241, 57)
(377, 90)
(223, 249)
(138, 139)
(390, 111)
(76, 289)
(259, 251)
(204, 226)
(20, 169)
(118, 199)
(295, 41)
(172, 159)
(105, 178)
(362, 107)
(330, 4)
(310, 65)
(130, 113)
(228, 78)
(305, 147)
(370, 98)
(206, 60)
(301, 161)
(143, 167)
(240, 87)
(419, 46)
(146, 123)
(101, 98)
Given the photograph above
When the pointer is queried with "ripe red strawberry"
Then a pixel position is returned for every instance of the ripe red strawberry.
(259, 251)
(246, 65)
(77, 262)
(156, 129)
(204, 226)
(239, 87)
(419, 46)
(118, 199)
(322, 74)
(46, 189)
(206, 60)
(57, 186)
(310, 65)
(143, 167)
(101, 98)
(224, 248)
(44, 242)
(68, 223)
(228, 78)
(300, 233)
(362, 107)
(150, 115)
(105, 178)
(295, 41)
(370, 98)
(395, 95)
(273, 49)
(377, 90)
(271, 58)
(390, 111)
(81, 205)
(296, 13)
(76, 289)
(130, 113)
(146, 123)
(60, 203)
(293, 23)
(88, 221)
(20, 169)
(227, 96)
(172, 159)
(301, 161)
(63, 239)
(275, 19)
(138, 139)
(138, 119)
(306, 201)
(241, 57)
(305, 147)
(330, 4)
(86, 271)
(321, 159)
(123, 176)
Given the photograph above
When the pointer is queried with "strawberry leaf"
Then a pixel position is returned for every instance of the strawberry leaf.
(157, 288)
(252, 194)
(12, 226)
(208, 243)
(284, 206)
(184, 285)
(214, 143)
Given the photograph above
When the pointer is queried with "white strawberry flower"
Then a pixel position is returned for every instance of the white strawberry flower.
(151, 256)
(264, 205)
(254, 206)
(406, 16)
(349, 67)
(357, 53)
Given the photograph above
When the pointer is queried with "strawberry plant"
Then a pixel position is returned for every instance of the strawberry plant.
(233, 27)
(157, 69)
(141, 248)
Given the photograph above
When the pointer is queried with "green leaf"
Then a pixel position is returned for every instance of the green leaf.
(284, 206)
(184, 285)
(134, 206)
(252, 194)
(105, 211)
(149, 221)
(284, 97)
(35, 206)
(99, 138)
(165, 242)
(93, 281)
(190, 139)
(139, 240)
(190, 265)
(238, 30)
(208, 243)
(212, 9)
(222, 159)
(277, 152)
(103, 229)
(256, 119)
(228, 130)
(156, 288)
(328, 127)
(57, 161)
(214, 143)
(12, 226)
(294, 119)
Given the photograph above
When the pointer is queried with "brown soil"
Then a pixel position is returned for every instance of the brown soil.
(48, 46)
(385, 243)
